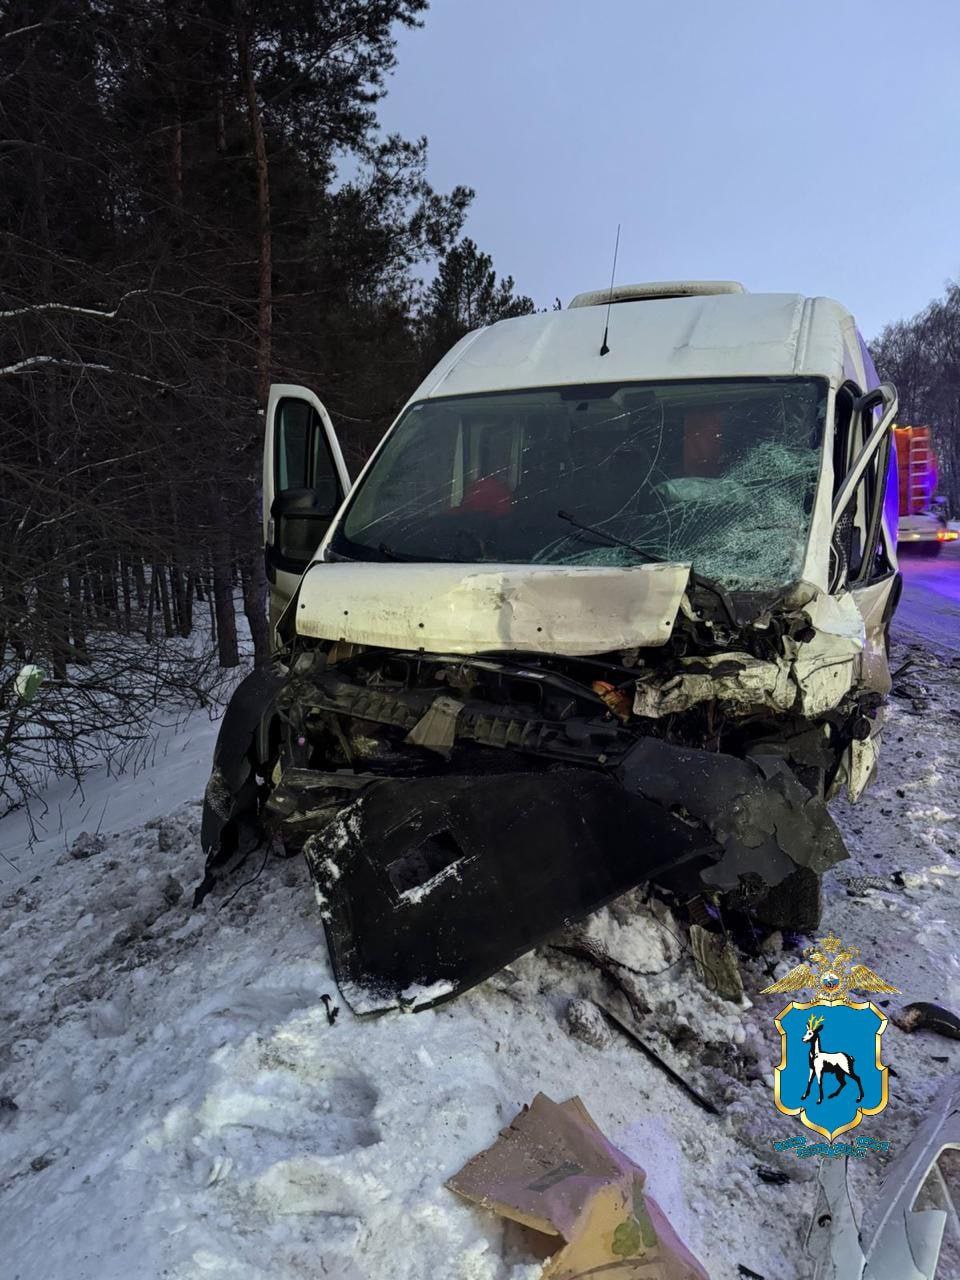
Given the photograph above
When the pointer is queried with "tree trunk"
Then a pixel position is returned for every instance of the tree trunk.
(148, 630)
(264, 238)
(77, 630)
(254, 581)
(125, 587)
(213, 609)
(52, 609)
(227, 650)
(140, 582)
(164, 600)
(180, 587)
(187, 617)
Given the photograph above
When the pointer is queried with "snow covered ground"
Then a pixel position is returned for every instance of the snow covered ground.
(174, 1102)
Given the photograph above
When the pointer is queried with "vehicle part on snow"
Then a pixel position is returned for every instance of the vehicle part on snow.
(553, 1171)
(924, 1016)
(716, 960)
(833, 1241)
(429, 885)
(896, 1241)
(632, 1034)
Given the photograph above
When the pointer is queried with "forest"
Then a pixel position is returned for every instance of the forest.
(196, 200)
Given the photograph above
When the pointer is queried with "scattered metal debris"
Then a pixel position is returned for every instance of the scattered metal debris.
(331, 1009)
(924, 1016)
(774, 1177)
(704, 1103)
(898, 1243)
(894, 1241)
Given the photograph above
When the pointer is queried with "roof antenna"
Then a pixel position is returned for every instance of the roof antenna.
(606, 326)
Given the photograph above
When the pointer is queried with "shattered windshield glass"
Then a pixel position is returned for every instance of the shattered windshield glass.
(719, 473)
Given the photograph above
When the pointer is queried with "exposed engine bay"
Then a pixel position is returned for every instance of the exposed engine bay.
(457, 809)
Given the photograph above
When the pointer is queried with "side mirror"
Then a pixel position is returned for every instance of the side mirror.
(298, 521)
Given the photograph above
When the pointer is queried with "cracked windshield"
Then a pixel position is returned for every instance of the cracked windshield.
(721, 474)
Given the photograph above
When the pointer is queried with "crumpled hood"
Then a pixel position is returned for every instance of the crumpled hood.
(461, 608)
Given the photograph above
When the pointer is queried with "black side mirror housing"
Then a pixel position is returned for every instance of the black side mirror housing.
(299, 518)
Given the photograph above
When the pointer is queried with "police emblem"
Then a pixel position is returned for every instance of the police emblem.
(830, 1073)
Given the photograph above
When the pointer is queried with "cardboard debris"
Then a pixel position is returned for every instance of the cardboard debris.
(553, 1171)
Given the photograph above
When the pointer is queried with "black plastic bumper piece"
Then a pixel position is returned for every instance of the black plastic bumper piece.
(429, 885)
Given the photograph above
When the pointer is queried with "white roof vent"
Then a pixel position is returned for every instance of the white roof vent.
(656, 289)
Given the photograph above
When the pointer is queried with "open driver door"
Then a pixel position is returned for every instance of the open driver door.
(305, 480)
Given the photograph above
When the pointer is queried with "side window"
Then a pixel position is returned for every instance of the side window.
(303, 455)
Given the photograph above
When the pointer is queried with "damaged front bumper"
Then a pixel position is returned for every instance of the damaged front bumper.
(428, 885)
(456, 809)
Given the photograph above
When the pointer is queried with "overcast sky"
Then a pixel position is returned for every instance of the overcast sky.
(798, 145)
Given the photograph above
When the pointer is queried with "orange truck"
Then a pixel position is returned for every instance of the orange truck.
(921, 522)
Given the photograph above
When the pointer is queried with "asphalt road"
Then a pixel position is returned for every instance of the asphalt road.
(930, 606)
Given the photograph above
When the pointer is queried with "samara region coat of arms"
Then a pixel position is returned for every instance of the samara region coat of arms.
(830, 1073)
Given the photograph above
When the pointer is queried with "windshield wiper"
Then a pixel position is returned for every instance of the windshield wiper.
(389, 554)
(612, 538)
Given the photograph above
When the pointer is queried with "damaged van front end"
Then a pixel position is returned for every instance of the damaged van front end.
(565, 639)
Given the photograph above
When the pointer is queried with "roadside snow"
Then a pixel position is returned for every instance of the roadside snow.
(173, 769)
(185, 1109)
(174, 1102)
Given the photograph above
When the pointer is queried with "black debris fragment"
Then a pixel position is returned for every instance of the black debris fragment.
(924, 1016)
(702, 1102)
(423, 896)
(774, 1177)
(331, 1009)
